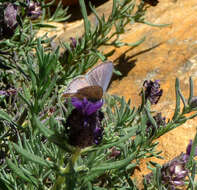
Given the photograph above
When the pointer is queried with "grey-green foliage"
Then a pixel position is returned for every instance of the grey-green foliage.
(40, 158)
(77, 60)
(34, 145)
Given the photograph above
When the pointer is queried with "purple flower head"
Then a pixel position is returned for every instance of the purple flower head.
(73, 43)
(34, 10)
(152, 91)
(83, 125)
(8, 20)
(114, 153)
(10, 14)
(174, 172)
(3, 92)
(193, 102)
(188, 151)
(86, 107)
(8, 92)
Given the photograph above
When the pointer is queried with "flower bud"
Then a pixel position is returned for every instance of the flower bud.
(34, 10)
(193, 102)
(152, 91)
(9, 21)
(83, 125)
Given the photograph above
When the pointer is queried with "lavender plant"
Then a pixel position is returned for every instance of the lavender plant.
(48, 142)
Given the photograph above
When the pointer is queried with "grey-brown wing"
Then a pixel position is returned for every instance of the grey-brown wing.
(76, 84)
(100, 75)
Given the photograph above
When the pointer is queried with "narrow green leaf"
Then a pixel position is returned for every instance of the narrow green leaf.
(48, 91)
(157, 25)
(131, 166)
(17, 170)
(99, 54)
(191, 183)
(5, 116)
(177, 108)
(116, 164)
(46, 131)
(93, 175)
(85, 17)
(3, 185)
(48, 4)
(117, 72)
(113, 9)
(31, 157)
(193, 150)
(110, 53)
(183, 99)
(121, 140)
(136, 43)
(30, 176)
(42, 25)
(191, 90)
(150, 118)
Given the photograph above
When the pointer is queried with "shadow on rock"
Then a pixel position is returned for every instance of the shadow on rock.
(76, 14)
(126, 63)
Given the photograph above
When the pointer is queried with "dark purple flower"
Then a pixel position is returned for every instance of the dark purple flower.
(114, 153)
(34, 10)
(174, 173)
(188, 151)
(8, 20)
(3, 92)
(83, 125)
(161, 121)
(152, 91)
(193, 102)
(10, 14)
(8, 92)
(73, 43)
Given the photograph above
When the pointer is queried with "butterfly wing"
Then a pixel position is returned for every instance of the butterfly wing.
(100, 75)
(76, 84)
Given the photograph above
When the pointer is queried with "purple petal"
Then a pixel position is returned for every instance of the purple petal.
(3, 92)
(85, 106)
(93, 107)
(189, 148)
(178, 183)
(77, 103)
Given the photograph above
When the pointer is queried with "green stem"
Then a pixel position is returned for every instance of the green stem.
(61, 178)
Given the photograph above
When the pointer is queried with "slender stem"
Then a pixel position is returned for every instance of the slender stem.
(22, 117)
(61, 178)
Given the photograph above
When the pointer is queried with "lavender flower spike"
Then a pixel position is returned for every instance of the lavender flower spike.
(152, 91)
(83, 125)
(34, 10)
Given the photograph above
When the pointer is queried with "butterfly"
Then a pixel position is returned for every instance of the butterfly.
(91, 85)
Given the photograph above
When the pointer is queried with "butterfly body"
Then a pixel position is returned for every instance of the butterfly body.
(93, 84)
(93, 93)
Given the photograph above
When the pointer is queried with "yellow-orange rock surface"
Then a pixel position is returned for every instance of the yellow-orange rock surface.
(167, 53)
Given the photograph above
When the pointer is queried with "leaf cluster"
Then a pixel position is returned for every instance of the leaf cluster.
(35, 153)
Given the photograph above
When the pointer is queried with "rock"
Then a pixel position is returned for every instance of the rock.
(167, 53)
